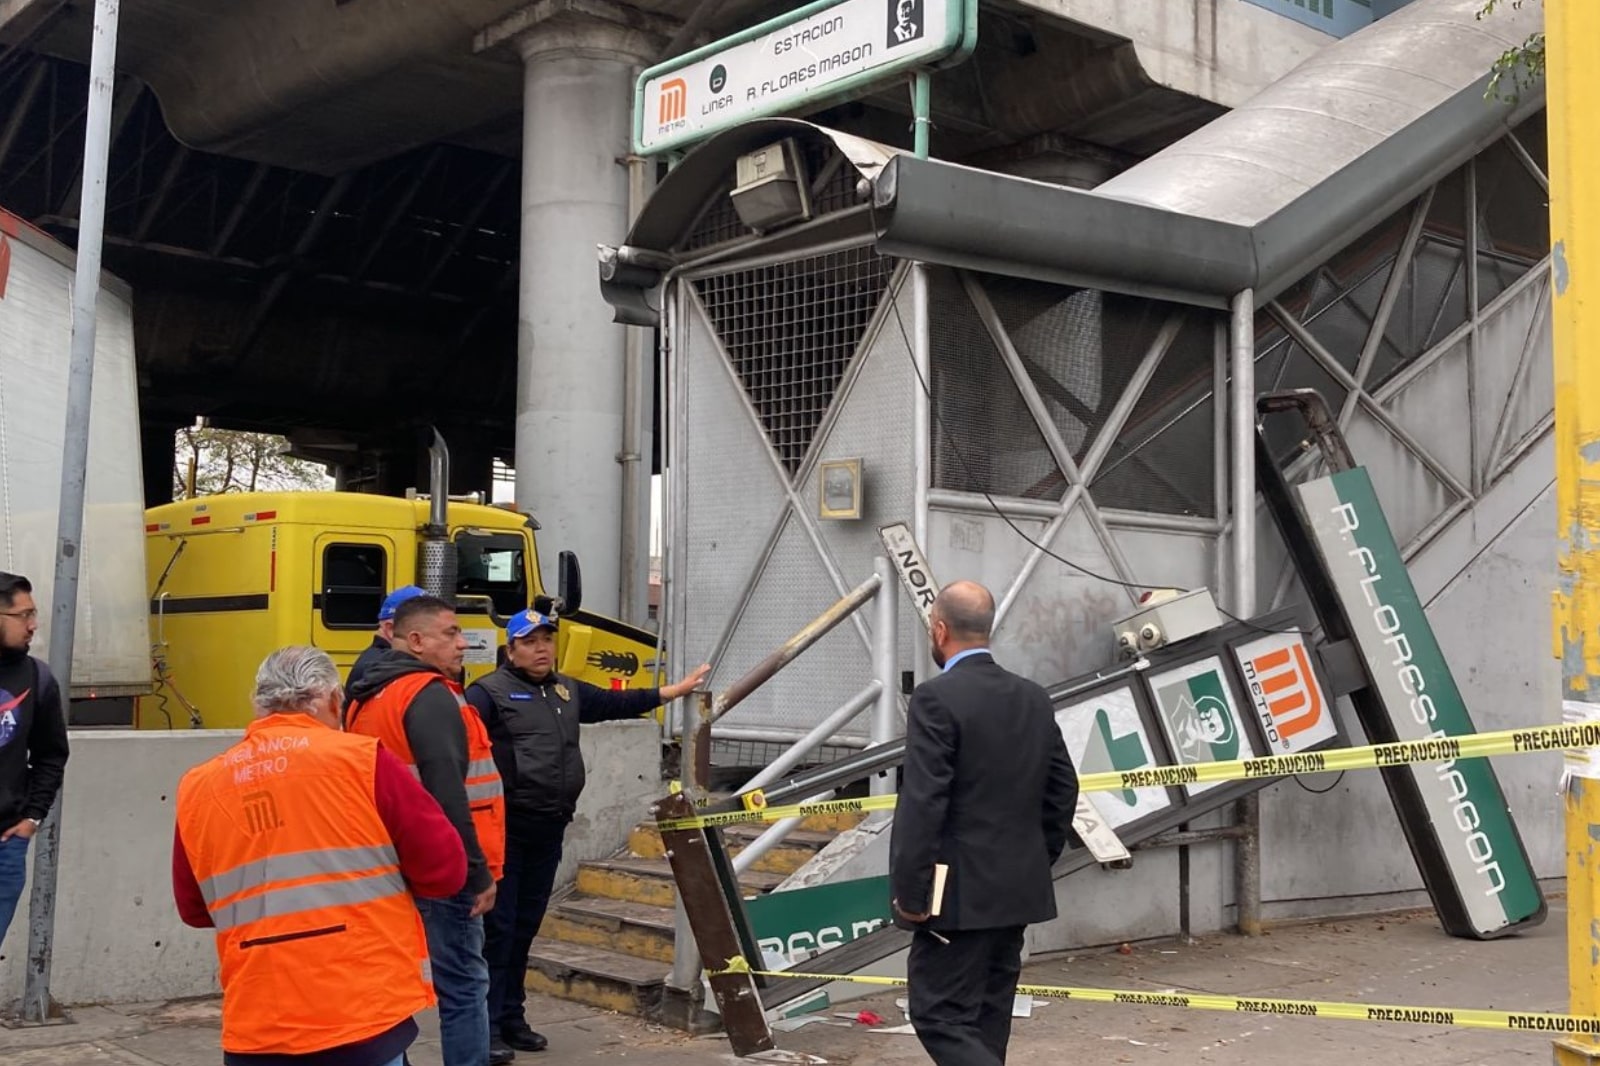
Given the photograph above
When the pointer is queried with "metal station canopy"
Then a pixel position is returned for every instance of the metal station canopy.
(1251, 201)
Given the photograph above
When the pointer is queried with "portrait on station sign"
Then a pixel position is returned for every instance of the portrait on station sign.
(1199, 717)
(905, 21)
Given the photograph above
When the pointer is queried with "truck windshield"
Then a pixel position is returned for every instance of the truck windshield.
(491, 564)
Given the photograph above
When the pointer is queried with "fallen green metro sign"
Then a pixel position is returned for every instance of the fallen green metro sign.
(1455, 814)
(802, 922)
(818, 55)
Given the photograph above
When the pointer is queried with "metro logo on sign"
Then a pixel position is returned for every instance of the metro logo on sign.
(674, 101)
(1294, 714)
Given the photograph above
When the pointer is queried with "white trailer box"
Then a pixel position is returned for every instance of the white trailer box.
(112, 653)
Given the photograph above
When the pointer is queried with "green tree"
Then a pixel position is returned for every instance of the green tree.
(227, 460)
(1523, 65)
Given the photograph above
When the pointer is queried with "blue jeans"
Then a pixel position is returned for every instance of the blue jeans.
(460, 978)
(13, 872)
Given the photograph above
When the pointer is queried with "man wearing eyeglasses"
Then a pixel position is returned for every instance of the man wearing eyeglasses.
(33, 738)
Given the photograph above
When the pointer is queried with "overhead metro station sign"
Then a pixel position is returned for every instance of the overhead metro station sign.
(818, 54)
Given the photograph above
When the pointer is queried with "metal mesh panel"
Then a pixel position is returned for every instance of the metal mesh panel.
(753, 753)
(789, 330)
(1163, 461)
(794, 589)
(1170, 473)
(1534, 136)
(1411, 495)
(984, 439)
(1513, 221)
(1060, 624)
(1433, 301)
(1441, 386)
(719, 224)
(1498, 395)
(1080, 347)
(885, 382)
(1342, 328)
(733, 494)
(835, 191)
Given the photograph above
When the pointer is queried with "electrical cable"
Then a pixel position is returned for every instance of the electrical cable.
(1320, 791)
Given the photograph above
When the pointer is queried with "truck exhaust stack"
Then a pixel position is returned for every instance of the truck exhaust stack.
(436, 562)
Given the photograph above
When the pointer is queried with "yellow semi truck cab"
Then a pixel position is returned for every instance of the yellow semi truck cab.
(233, 577)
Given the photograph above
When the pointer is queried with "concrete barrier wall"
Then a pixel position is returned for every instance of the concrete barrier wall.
(118, 937)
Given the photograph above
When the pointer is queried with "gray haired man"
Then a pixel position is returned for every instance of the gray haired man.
(304, 846)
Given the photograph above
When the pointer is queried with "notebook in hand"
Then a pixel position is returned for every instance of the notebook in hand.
(941, 871)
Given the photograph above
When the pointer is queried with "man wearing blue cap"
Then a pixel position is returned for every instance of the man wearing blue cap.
(383, 641)
(533, 714)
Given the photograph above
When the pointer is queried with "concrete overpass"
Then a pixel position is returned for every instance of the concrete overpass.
(345, 221)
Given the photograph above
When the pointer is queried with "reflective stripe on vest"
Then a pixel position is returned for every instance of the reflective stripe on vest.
(294, 866)
(383, 716)
(319, 943)
(486, 791)
(278, 902)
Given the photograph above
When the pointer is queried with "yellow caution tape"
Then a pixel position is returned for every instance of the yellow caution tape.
(778, 814)
(1515, 1021)
(1373, 756)
(737, 964)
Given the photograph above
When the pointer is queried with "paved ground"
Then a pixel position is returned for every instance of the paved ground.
(1401, 960)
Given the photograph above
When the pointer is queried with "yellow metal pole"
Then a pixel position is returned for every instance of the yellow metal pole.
(1572, 84)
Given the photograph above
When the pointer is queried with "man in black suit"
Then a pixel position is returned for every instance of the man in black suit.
(987, 790)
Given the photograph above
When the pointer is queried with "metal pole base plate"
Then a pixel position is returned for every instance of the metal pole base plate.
(12, 1017)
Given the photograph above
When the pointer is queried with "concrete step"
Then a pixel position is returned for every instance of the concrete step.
(649, 881)
(797, 849)
(597, 977)
(636, 929)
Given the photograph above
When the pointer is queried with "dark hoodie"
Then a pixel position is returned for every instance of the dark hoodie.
(33, 739)
(438, 740)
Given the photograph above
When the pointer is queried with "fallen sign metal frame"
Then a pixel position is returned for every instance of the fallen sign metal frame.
(1456, 819)
(1530, 740)
(1458, 1017)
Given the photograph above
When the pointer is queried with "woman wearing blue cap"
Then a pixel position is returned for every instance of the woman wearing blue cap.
(533, 714)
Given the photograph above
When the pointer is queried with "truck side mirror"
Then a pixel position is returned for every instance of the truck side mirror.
(569, 582)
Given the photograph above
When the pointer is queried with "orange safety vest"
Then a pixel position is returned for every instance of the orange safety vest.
(383, 716)
(319, 940)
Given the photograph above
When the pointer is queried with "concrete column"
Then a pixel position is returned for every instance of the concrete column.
(577, 103)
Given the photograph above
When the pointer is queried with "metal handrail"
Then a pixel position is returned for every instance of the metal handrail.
(774, 835)
(790, 650)
(822, 732)
(878, 693)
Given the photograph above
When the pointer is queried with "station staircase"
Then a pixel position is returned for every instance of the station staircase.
(607, 940)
